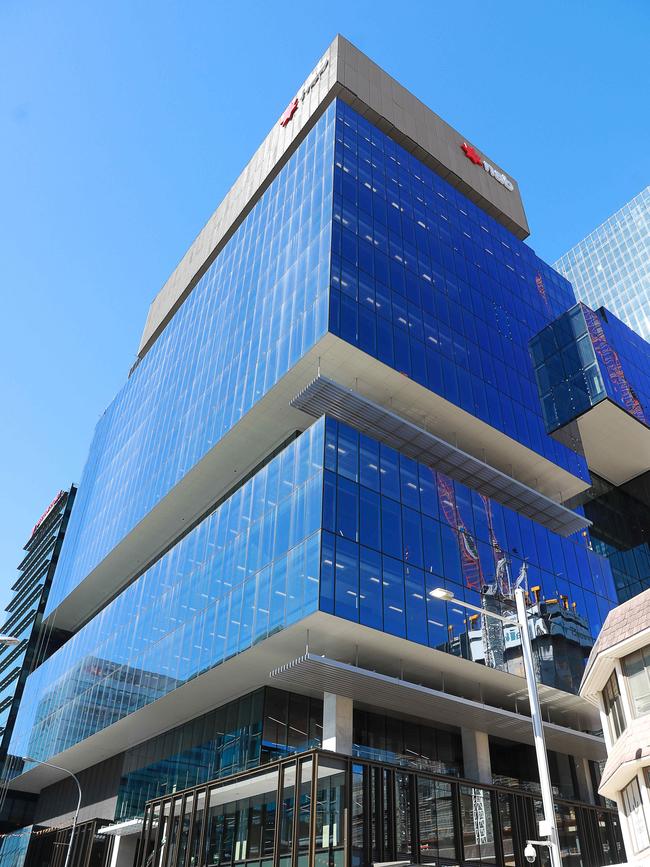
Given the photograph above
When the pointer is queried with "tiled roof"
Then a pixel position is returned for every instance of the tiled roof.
(622, 622)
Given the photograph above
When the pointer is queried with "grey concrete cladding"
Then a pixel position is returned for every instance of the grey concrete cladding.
(373, 93)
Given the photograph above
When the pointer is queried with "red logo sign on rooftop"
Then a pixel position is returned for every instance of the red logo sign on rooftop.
(289, 112)
(471, 154)
(310, 84)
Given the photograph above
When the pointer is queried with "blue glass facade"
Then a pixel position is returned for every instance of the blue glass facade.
(428, 283)
(14, 848)
(586, 356)
(209, 747)
(336, 521)
(254, 313)
(620, 531)
(244, 572)
(393, 530)
(421, 278)
(624, 360)
(357, 237)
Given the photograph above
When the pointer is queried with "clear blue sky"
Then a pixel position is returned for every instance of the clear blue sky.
(123, 124)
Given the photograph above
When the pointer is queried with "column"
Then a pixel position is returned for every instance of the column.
(583, 774)
(123, 854)
(476, 755)
(337, 723)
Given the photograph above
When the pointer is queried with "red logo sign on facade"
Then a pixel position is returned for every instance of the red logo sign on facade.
(309, 85)
(289, 112)
(47, 512)
(471, 154)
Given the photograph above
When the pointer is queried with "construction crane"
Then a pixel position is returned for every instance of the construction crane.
(469, 557)
(542, 291)
(610, 358)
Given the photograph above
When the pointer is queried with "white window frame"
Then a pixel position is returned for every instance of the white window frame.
(620, 708)
(635, 816)
(644, 651)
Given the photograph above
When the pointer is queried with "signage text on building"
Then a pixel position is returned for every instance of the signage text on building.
(311, 82)
(478, 160)
(47, 512)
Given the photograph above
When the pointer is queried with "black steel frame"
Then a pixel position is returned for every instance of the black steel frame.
(521, 811)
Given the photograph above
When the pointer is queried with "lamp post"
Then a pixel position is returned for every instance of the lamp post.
(550, 826)
(76, 815)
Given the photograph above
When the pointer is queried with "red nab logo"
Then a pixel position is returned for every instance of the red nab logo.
(289, 112)
(471, 154)
(478, 160)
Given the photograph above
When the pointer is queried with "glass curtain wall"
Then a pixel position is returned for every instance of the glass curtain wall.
(584, 357)
(260, 728)
(610, 266)
(13, 847)
(216, 744)
(272, 724)
(25, 609)
(258, 308)
(620, 531)
(394, 529)
(429, 284)
(246, 571)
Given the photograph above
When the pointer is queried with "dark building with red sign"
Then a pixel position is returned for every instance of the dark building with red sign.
(25, 610)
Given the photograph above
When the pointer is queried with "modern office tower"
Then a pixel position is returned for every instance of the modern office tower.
(593, 375)
(333, 413)
(611, 266)
(23, 622)
(25, 610)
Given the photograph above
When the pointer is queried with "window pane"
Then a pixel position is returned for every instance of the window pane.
(403, 829)
(369, 519)
(445, 821)
(636, 667)
(478, 830)
(635, 816)
(613, 705)
(347, 580)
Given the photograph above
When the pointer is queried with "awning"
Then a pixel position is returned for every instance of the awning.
(365, 686)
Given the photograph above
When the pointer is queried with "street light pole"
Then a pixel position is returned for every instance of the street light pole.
(538, 731)
(76, 815)
(550, 825)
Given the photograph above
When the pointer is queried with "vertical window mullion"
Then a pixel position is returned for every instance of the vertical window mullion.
(173, 855)
(204, 824)
(160, 834)
(144, 835)
(458, 829)
(313, 806)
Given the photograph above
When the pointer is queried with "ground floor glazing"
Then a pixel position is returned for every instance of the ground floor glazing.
(328, 810)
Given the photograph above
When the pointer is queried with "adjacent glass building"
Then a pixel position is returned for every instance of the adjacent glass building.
(334, 411)
(24, 612)
(611, 266)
